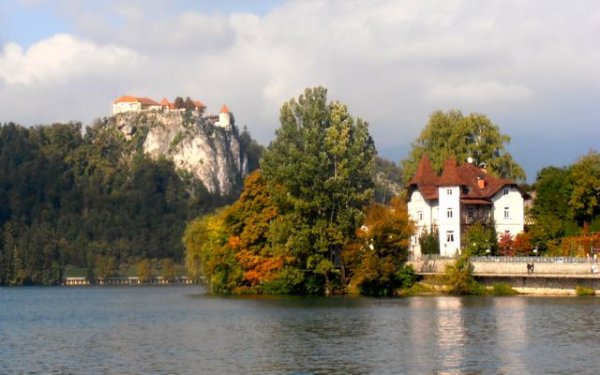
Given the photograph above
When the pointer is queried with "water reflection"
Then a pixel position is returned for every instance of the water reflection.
(451, 333)
(510, 314)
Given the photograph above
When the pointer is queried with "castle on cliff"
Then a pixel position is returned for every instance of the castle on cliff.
(129, 103)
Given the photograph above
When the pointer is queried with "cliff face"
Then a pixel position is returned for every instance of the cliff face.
(210, 153)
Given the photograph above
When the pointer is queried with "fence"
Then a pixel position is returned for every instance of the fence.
(514, 259)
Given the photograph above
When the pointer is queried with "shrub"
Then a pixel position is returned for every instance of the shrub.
(584, 291)
(459, 277)
(406, 276)
(504, 289)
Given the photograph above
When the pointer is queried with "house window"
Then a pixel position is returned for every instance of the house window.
(506, 212)
(420, 215)
(449, 213)
(505, 191)
(450, 236)
(449, 191)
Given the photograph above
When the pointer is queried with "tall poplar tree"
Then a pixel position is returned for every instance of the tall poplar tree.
(319, 170)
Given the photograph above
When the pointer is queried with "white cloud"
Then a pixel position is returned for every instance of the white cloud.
(392, 62)
(60, 58)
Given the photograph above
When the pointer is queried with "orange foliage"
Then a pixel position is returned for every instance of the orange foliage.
(581, 245)
(522, 244)
(257, 268)
(506, 245)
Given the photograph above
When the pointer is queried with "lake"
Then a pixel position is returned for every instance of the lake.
(180, 330)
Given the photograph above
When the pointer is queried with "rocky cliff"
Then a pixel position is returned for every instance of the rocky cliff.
(211, 153)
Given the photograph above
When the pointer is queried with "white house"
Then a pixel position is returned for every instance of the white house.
(128, 103)
(461, 196)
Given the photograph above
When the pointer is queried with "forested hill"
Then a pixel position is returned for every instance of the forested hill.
(84, 198)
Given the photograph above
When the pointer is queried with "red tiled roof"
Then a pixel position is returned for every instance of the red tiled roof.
(132, 99)
(425, 179)
(126, 99)
(224, 109)
(147, 101)
(450, 176)
(165, 102)
(467, 176)
(199, 104)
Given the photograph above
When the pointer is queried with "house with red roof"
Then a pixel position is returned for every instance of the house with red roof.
(458, 198)
(129, 103)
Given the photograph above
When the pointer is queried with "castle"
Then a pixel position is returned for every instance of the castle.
(460, 197)
(129, 103)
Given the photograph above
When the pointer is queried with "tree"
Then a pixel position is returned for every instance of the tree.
(179, 103)
(376, 261)
(168, 271)
(459, 276)
(506, 245)
(429, 241)
(453, 135)
(585, 197)
(144, 270)
(554, 188)
(479, 239)
(522, 244)
(319, 170)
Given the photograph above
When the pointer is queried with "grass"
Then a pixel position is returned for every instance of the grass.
(584, 291)
(418, 289)
(503, 289)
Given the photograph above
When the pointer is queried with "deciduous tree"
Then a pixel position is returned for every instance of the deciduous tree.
(319, 170)
(453, 135)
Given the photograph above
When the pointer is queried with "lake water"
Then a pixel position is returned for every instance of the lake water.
(179, 330)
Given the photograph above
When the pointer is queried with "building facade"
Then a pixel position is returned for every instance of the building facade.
(129, 103)
(458, 198)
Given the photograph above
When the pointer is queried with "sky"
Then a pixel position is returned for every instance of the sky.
(533, 67)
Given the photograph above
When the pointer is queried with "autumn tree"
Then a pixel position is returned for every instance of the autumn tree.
(319, 170)
(144, 270)
(376, 260)
(168, 271)
(506, 245)
(522, 244)
(453, 135)
(209, 254)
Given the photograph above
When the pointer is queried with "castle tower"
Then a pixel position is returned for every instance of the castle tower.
(224, 117)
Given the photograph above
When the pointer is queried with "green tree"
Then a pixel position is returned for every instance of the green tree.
(479, 239)
(585, 197)
(459, 276)
(453, 135)
(429, 241)
(319, 170)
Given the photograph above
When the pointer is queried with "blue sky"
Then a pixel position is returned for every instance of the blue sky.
(533, 70)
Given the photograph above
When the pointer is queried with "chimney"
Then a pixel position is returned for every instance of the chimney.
(481, 183)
